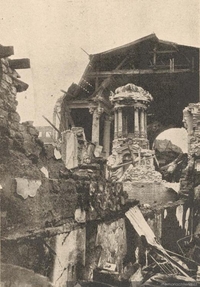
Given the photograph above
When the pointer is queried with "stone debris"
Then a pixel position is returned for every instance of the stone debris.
(173, 185)
(137, 278)
(57, 154)
(98, 150)
(166, 263)
(80, 215)
(26, 187)
(45, 171)
(170, 280)
(110, 267)
(165, 213)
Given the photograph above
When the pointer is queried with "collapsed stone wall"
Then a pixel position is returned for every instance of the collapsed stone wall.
(19, 142)
(39, 196)
(29, 198)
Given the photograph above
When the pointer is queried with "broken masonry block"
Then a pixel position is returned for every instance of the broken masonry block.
(80, 215)
(57, 154)
(27, 187)
(45, 171)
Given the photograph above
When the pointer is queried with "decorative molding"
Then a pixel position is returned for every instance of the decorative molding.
(97, 110)
(131, 92)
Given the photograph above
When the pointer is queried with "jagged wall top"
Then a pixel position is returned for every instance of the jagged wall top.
(131, 92)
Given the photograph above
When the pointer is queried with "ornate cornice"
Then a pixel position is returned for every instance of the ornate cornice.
(131, 92)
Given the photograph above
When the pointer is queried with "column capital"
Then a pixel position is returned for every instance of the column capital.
(118, 108)
(140, 106)
(96, 111)
(99, 111)
(109, 118)
(91, 109)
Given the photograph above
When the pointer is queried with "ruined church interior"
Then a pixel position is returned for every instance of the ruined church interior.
(95, 198)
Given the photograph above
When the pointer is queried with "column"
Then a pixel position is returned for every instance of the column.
(142, 123)
(116, 124)
(120, 122)
(95, 127)
(125, 130)
(106, 136)
(145, 123)
(136, 122)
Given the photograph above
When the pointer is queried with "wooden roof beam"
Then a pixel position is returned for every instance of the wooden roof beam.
(106, 82)
(134, 72)
(6, 51)
(163, 52)
(165, 66)
(19, 63)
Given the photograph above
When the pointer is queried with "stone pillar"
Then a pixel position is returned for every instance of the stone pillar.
(116, 124)
(95, 124)
(125, 130)
(106, 136)
(188, 121)
(136, 122)
(142, 123)
(120, 125)
(145, 123)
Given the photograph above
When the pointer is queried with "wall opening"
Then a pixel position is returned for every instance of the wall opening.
(82, 118)
(171, 153)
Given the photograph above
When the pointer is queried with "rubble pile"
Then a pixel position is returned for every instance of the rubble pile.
(19, 142)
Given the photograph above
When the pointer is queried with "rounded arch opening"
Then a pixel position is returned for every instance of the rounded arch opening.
(155, 128)
(171, 148)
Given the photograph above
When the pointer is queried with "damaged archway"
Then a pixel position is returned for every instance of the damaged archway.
(155, 128)
(171, 153)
